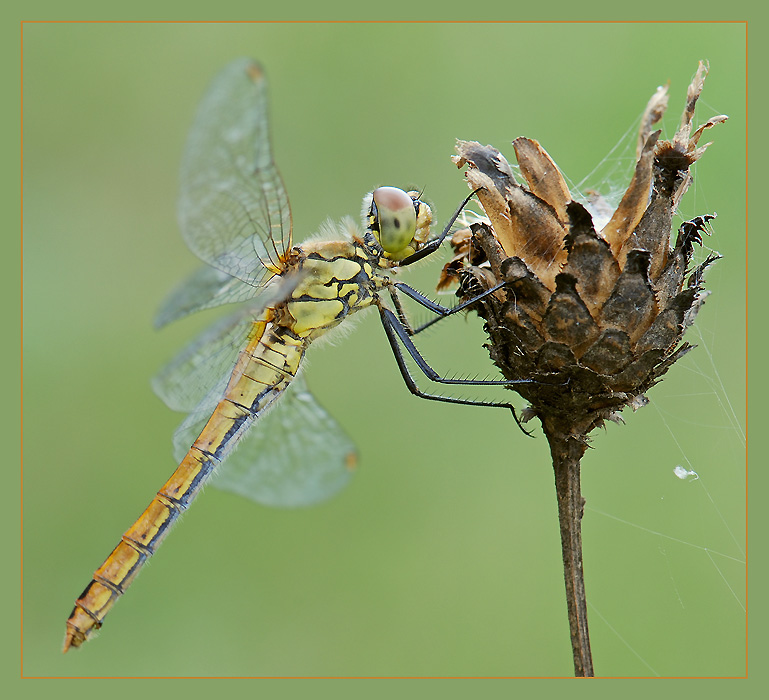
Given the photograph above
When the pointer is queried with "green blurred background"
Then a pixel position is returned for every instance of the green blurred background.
(443, 556)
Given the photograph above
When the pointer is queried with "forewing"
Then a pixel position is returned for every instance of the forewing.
(233, 209)
(205, 288)
(294, 455)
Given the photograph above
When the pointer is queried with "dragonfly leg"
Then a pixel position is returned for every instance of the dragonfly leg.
(438, 309)
(397, 333)
(400, 311)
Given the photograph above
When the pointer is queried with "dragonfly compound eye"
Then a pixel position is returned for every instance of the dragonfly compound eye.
(395, 218)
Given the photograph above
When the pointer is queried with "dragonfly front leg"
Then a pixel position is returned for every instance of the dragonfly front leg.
(397, 333)
(438, 309)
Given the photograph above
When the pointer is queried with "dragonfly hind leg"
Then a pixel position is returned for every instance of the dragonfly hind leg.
(398, 333)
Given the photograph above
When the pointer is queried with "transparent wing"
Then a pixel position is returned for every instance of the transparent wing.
(207, 361)
(295, 455)
(233, 209)
(204, 364)
(205, 288)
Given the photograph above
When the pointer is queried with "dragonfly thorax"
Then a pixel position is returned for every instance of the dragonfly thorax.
(336, 278)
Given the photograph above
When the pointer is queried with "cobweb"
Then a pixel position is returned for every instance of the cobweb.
(666, 522)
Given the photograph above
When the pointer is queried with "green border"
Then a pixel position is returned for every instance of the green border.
(29, 688)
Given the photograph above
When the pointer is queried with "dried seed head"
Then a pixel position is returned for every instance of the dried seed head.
(595, 318)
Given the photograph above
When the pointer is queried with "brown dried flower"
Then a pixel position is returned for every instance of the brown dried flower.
(593, 317)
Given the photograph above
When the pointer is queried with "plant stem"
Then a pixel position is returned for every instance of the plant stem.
(567, 449)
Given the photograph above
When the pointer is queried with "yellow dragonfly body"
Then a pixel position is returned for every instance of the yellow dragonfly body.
(235, 215)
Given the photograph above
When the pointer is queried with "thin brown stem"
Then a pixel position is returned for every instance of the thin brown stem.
(567, 449)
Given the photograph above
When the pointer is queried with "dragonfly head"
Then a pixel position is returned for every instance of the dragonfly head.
(399, 220)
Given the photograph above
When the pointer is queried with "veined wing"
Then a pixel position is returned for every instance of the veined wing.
(233, 209)
(204, 364)
(294, 455)
(208, 360)
(205, 288)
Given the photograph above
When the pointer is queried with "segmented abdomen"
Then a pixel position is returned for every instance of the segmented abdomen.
(263, 371)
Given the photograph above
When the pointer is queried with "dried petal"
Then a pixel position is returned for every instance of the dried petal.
(523, 329)
(489, 171)
(653, 231)
(488, 160)
(652, 114)
(670, 281)
(697, 277)
(536, 235)
(523, 288)
(668, 325)
(720, 119)
(681, 141)
(542, 174)
(668, 362)
(554, 357)
(524, 224)
(639, 374)
(633, 204)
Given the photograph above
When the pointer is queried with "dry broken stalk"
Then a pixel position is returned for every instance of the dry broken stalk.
(593, 318)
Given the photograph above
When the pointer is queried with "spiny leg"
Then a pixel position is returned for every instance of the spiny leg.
(438, 309)
(396, 332)
(442, 312)
(398, 328)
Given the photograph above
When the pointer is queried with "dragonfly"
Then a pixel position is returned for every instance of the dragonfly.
(234, 214)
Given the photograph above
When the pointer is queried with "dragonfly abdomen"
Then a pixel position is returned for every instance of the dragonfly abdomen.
(263, 371)
(339, 280)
